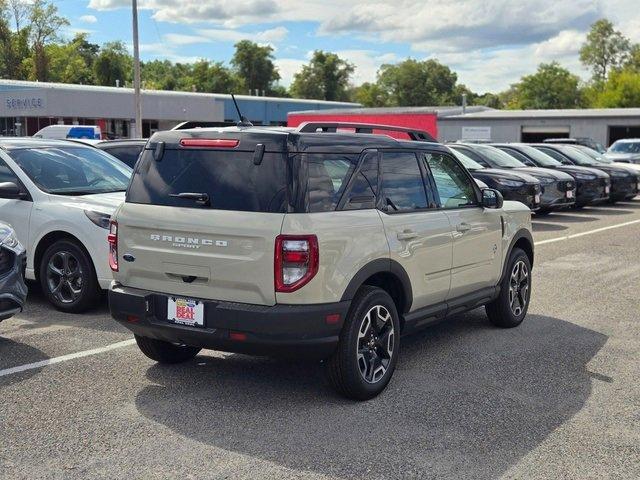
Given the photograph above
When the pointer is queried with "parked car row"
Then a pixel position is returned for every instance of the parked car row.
(550, 176)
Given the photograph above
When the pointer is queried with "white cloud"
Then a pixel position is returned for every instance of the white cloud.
(490, 43)
(288, 67)
(88, 19)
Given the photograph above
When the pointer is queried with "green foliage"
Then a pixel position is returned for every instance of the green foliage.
(370, 95)
(326, 77)
(44, 25)
(113, 63)
(253, 64)
(621, 90)
(72, 62)
(418, 83)
(550, 87)
(605, 49)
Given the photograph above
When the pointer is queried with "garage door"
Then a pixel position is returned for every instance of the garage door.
(539, 133)
(619, 132)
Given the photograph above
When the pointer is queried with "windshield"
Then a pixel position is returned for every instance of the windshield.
(540, 158)
(467, 161)
(625, 147)
(598, 157)
(72, 170)
(498, 158)
(577, 157)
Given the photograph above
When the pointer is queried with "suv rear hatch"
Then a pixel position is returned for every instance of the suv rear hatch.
(201, 219)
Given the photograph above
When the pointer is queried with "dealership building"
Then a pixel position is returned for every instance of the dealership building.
(487, 124)
(26, 107)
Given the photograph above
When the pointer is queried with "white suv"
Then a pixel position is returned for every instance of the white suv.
(59, 195)
(313, 242)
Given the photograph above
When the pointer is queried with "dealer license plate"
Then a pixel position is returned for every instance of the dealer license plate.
(607, 189)
(537, 198)
(185, 311)
(570, 194)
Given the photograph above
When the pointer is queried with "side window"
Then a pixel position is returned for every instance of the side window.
(327, 177)
(6, 174)
(454, 186)
(364, 188)
(127, 155)
(402, 182)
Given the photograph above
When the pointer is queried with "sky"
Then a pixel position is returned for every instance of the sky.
(490, 44)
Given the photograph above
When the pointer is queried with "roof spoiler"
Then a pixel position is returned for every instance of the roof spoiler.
(314, 127)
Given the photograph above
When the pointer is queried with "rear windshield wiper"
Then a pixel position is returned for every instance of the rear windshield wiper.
(199, 198)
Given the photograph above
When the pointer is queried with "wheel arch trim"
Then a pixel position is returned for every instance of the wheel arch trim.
(381, 265)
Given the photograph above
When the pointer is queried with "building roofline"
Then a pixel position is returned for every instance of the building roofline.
(124, 90)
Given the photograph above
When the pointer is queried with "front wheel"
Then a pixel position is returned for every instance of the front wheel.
(67, 277)
(510, 308)
(366, 356)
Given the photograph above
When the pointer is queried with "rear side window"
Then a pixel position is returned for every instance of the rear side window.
(229, 179)
(128, 155)
(402, 182)
(364, 187)
(327, 176)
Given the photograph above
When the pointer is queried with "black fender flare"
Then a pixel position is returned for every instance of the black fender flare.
(520, 234)
(381, 265)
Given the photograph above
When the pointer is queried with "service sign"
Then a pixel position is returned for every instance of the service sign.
(476, 133)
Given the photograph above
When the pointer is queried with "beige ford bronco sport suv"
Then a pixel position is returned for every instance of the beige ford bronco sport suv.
(329, 241)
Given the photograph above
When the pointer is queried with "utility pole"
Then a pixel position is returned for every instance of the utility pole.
(136, 70)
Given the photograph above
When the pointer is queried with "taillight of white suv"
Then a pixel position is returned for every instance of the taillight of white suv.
(296, 261)
(112, 238)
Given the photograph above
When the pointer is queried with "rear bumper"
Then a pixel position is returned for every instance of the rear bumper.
(281, 330)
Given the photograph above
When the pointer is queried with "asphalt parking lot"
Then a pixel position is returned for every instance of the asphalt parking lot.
(558, 397)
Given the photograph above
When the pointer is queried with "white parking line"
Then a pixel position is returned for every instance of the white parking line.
(65, 358)
(588, 232)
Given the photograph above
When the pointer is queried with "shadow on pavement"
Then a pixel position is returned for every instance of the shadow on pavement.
(547, 227)
(467, 401)
(565, 218)
(13, 354)
(613, 210)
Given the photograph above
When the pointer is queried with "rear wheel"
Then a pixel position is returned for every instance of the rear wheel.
(511, 306)
(67, 277)
(165, 352)
(366, 355)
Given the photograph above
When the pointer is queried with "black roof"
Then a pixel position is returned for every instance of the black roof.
(122, 142)
(280, 139)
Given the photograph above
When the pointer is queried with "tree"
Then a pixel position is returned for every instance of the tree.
(253, 64)
(14, 45)
(213, 77)
(416, 83)
(113, 63)
(621, 90)
(633, 60)
(605, 49)
(370, 95)
(44, 25)
(326, 77)
(550, 87)
(72, 62)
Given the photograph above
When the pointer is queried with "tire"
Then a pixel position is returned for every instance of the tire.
(165, 352)
(365, 358)
(67, 277)
(503, 312)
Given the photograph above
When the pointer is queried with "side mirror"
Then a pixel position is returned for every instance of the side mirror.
(10, 190)
(491, 198)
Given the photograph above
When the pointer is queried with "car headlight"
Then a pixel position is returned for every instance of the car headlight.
(509, 183)
(10, 240)
(98, 218)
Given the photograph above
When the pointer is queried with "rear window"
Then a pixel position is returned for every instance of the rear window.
(229, 179)
(127, 155)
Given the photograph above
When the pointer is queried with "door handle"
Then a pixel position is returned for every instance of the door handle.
(407, 235)
(463, 227)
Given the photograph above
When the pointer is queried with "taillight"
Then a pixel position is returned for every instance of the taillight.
(296, 261)
(209, 143)
(112, 238)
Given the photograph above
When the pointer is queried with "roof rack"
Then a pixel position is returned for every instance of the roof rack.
(313, 127)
